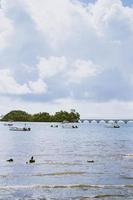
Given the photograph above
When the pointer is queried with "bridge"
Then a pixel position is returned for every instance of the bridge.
(106, 120)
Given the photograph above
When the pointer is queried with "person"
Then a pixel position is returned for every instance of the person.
(10, 160)
(32, 160)
(90, 161)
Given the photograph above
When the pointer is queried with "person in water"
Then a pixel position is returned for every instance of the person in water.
(32, 160)
(10, 160)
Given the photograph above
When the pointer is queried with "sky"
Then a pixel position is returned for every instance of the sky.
(125, 2)
(63, 54)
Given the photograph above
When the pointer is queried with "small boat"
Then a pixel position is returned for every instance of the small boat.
(25, 128)
(116, 126)
(112, 125)
(69, 126)
(8, 124)
(54, 126)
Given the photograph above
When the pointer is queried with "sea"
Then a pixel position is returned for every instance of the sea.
(88, 162)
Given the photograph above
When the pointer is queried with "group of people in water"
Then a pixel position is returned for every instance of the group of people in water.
(32, 160)
(56, 126)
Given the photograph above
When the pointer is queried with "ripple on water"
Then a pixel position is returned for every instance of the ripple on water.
(71, 186)
(103, 196)
(65, 173)
(100, 196)
(95, 191)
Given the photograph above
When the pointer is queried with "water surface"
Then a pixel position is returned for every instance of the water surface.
(61, 170)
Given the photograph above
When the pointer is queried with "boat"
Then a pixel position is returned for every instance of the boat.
(25, 128)
(54, 126)
(112, 125)
(19, 129)
(69, 126)
(8, 124)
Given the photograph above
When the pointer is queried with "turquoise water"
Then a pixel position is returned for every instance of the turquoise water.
(61, 170)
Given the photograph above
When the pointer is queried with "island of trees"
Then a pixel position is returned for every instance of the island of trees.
(18, 115)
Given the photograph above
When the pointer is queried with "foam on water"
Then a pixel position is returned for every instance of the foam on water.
(71, 186)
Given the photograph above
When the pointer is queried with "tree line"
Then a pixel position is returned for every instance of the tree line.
(18, 115)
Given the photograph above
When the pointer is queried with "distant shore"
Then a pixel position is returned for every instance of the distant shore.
(61, 116)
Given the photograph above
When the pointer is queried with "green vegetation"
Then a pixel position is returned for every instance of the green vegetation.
(18, 115)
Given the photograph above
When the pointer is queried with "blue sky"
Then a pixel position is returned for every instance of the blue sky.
(128, 2)
(64, 54)
(125, 2)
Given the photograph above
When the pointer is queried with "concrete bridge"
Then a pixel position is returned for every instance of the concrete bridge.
(107, 120)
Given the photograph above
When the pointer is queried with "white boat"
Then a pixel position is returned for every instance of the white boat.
(8, 124)
(67, 125)
(112, 125)
(25, 128)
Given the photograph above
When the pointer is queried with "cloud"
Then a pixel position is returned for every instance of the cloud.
(50, 67)
(9, 86)
(55, 24)
(82, 69)
(38, 86)
(112, 20)
(67, 49)
(98, 34)
(6, 30)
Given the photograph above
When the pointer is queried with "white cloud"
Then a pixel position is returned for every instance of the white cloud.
(105, 18)
(112, 20)
(73, 71)
(8, 85)
(81, 70)
(6, 30)
(90, 45)
(50, 67)
(38, 86)
(62, 24)
(55, 25)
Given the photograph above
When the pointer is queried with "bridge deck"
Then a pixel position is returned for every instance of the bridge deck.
(107, 120)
